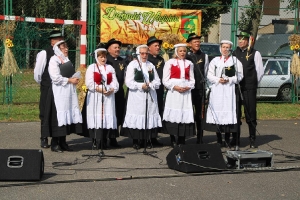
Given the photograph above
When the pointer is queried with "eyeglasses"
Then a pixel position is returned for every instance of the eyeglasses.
(144, 53)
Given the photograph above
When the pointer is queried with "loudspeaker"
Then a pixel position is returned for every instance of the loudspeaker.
(21, 165)
(193, 158)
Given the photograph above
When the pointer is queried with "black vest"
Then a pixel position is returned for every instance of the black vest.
(139, 76)
(46, 80)
(159, 64)
(119, 65)
(249, 82)
(199, 66)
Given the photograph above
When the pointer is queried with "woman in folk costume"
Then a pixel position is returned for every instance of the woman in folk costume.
(64, 110)
(142, 117)
(102, 84)
(178, 78)
(224, 73)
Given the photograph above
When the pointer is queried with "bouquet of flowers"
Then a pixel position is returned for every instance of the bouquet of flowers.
(295, 46)
(169, 40)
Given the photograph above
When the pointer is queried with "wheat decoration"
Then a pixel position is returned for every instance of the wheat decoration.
(9, 64)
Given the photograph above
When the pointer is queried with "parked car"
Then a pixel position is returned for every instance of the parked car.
(211, 49)
(277, 79)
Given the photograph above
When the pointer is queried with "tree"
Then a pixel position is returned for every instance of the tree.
(250, 18)
(293, 4)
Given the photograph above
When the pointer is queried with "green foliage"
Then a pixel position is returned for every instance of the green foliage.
(58, 9)
(292, 4)
(249, 15)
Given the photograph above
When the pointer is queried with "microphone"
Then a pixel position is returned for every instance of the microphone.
(103, 83)
(91, 54)
(230, 50)
(190, 53)
(134, 54)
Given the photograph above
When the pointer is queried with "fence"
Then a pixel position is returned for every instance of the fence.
(219, 21)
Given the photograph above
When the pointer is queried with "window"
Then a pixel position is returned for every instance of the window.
(271, 7)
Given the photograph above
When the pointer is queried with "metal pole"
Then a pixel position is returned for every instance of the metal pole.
(296, 19)
(92, 27)
(167, 3)
(83, 12)
(234, 21)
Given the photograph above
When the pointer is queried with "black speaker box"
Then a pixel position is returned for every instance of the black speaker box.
(193, 158)
(21, 165)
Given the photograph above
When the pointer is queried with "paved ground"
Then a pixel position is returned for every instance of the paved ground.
(69, 175)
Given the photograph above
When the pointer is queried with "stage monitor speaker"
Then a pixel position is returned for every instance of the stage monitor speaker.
(21, 165)
(194, 158)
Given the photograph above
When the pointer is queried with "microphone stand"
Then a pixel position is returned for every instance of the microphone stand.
(101, 154)
(146, 111)
(204, 82)
(238, 133)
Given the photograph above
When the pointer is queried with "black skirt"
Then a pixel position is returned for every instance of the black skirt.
(179, 129)
(139, 133)
(50, 124)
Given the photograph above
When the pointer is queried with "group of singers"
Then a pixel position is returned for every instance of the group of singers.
(161, 97)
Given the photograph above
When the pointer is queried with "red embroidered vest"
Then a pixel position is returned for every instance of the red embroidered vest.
(175, 72)
(98, 78)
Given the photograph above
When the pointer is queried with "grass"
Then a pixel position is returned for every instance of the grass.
(265, 111)
(25, 108)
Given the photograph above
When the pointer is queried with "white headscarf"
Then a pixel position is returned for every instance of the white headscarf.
(179, 45)
(58, 52)
(225, 42)
(138, 51)
(143, 64)
(95, 54)
(103, 73)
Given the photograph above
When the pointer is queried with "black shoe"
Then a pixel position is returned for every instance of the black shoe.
(156, 143)
(113, 143)
(65, 147)
(44, 142)
(56, 148)
(136, 146)
(252, 144)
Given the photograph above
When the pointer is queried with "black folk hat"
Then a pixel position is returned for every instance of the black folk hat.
(55, 34)
(112, 41)
(153, 39)
(193, 36)
(244, 34)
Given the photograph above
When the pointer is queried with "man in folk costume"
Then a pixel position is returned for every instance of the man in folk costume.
(113, 58)
(41, 76)
(154, 47)
(200, 61)
(142, 118)
(178, 78)
(224, 72)
(253, 72)
(62, 114)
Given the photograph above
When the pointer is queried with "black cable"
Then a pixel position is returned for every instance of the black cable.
(296, 168)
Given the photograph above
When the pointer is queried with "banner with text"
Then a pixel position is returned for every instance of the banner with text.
(134, 25)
